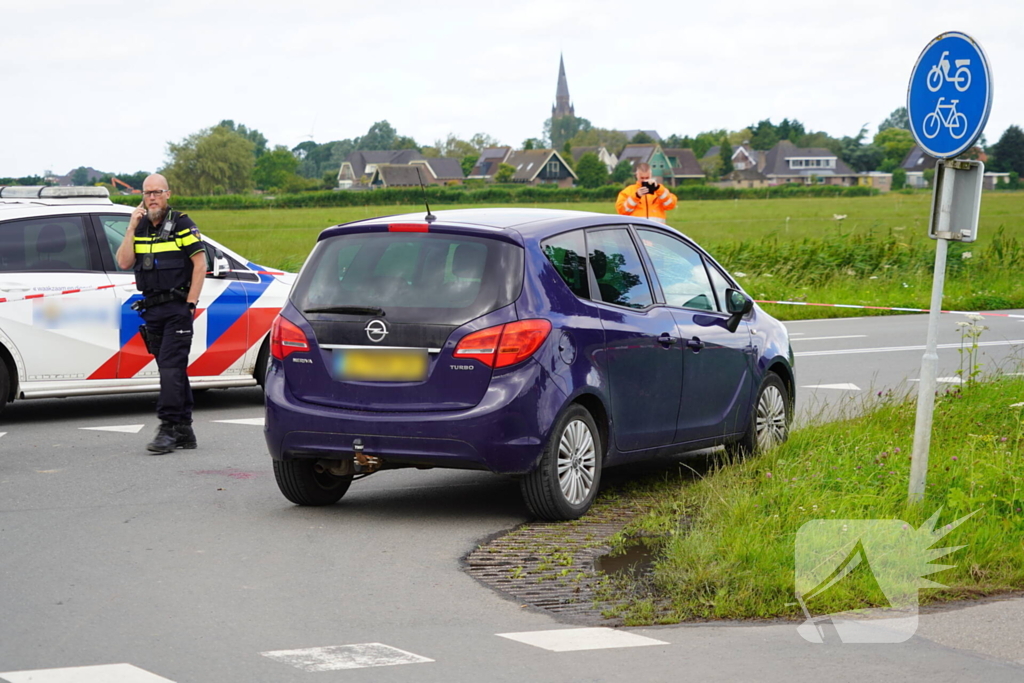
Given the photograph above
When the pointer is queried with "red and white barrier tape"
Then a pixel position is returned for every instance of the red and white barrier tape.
(43, 295)
(890, 308)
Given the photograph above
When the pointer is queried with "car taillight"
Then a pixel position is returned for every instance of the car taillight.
(286, 338)
(504, 345)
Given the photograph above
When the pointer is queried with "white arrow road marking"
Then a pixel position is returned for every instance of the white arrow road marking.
(123, 429)
(844, 387)
(845, 336)
(840, 352)
(361, 656)
(104, 673)
(2, 433)
(257, 421)
(572, 639)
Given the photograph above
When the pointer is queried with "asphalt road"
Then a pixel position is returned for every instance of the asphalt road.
(194, 568)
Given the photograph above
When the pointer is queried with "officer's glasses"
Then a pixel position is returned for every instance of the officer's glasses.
(153, 193)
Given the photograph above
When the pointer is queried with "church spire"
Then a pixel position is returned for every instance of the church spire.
(563, 107)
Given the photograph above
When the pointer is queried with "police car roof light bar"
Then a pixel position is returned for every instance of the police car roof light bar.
(50, 192)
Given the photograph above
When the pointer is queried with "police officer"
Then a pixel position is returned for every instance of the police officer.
(165, 250)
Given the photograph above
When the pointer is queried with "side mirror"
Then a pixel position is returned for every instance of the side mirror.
(217, 264)
(738, 305)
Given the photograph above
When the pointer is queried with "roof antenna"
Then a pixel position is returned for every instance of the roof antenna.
(430, 218)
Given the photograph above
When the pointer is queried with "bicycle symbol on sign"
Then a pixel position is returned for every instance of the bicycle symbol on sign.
(939, 74)
(954, 120)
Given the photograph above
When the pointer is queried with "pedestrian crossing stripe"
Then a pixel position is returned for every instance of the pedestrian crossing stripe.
(103, 673)
(575, 639)
(338, 657)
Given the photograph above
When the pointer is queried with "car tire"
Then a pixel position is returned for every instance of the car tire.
(303, 485)
(5, 385)
(262, 363)
(565, 483)
(769, 420)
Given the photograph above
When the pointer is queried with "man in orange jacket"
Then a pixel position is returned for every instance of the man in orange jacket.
(645, 198)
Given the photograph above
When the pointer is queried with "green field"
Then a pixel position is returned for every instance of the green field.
(788, 249)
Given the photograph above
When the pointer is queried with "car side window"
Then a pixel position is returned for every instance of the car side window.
(617, 269)
(55, 243)
(680, 270)
(114, 228)
(567, 254)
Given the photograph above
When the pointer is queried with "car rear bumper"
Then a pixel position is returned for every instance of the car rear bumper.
(504, 433)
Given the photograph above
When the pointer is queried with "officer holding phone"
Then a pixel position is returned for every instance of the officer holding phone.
(646, 198)
(166, 252)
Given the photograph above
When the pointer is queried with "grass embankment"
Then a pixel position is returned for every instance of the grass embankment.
(788, 249)
(735, 557)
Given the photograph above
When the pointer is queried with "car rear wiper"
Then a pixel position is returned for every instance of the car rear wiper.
(354, 310)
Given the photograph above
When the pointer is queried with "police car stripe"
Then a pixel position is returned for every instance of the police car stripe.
(225, 335)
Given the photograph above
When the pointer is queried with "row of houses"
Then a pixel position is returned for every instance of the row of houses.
(785, 163)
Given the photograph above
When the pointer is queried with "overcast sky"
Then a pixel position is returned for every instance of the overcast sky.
(108, 83)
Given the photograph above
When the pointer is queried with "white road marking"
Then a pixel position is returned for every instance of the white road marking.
(2, 433)
(844, 387)
(335, 658)
(845, 336)
(573, 639)
(887, 349)
(797, 334)
(124, 429)
(104, 673)
(256, 421)
(943, 380)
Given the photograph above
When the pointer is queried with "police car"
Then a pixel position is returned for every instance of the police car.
(66, 323)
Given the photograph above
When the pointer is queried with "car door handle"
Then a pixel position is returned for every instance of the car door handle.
(695, 344)
(667, 339)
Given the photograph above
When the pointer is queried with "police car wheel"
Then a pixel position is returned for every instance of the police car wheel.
(303, 485)
(262, 363)
(5, 385)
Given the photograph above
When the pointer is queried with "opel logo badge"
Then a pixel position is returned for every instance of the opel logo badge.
(376, 330)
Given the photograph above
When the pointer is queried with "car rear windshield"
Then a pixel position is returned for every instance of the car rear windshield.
(412, 277)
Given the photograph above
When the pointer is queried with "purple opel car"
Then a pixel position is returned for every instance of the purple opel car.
(539, 343)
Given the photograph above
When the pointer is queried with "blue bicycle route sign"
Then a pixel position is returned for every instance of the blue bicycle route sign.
(950, 95)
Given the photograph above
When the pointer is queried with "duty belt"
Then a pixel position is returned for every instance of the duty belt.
(158, 299)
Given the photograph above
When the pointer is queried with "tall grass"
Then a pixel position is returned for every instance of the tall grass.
(735, 558)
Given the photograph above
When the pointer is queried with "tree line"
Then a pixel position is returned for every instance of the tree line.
(231, 158)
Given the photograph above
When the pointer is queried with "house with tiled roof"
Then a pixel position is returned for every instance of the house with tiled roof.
(442, 170)
(787, 163)
(684, 164)
(661, 167)
(606, 157)
(400, 175)
(490, 159)
(915, 164)
(361, 164)
(537, 166)
(743, 156)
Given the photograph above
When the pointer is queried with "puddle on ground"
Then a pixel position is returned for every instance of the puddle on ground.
(635, 560)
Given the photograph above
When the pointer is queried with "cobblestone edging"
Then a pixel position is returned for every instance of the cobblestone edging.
(550, 566)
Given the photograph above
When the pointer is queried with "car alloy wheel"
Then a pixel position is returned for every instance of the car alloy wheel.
(772, 418)
(577, 461)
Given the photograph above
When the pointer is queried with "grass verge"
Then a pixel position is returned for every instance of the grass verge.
(735, 558)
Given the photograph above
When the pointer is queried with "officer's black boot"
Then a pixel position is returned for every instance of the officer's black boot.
(185, 437)
(165, 441)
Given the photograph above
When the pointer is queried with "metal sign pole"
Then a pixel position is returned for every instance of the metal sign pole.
(930, 360)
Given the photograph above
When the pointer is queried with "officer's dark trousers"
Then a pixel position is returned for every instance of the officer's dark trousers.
(173, 322)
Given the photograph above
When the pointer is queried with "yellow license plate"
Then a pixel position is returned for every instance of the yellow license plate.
(380, 365)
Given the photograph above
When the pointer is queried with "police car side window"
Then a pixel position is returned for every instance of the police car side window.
(56, 243)
(114, 228)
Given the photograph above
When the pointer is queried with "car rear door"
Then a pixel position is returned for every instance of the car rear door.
(641, 354)
(56, 306)
(717, 363)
